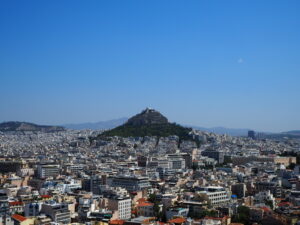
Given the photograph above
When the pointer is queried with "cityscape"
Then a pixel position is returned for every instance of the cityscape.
(158, 112)
(62, 176)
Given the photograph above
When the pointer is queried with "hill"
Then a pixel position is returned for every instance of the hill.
(293, 132)
(23, 126)
(149, 123)
(224, 130)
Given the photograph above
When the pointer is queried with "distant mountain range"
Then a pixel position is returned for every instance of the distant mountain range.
(102, 125)
(293, 132)
(110, 124)
(224, 130)
(24, 126)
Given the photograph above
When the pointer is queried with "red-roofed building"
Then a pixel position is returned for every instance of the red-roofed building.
(177, 221)
(15, 203)
(226, 220)
(145, 209)
(142, 200)
(285, 204)
(21, 220)
(46, 197)
(266, 209)
(162, 223)
(116, 222)
(16, 207)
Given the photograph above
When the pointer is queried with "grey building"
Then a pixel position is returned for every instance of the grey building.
(216, 155)
(130, 183)
(59, 213)
(48, 170)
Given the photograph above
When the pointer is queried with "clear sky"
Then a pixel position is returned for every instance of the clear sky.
(207, 63)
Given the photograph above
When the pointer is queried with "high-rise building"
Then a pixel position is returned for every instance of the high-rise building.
(142, 161)
(239, 190)
(251, 134)
(95, 182)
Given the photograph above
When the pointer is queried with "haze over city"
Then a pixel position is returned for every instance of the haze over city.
(203, 63)
(149, 112)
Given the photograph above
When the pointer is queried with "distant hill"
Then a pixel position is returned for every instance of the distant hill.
(293, 132)
(24, 126)
(102, 125)
(283, 135)
(224, 130)
(110, 124)
(149, 123)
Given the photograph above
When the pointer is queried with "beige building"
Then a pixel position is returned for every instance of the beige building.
(285, 160)
(21, 220)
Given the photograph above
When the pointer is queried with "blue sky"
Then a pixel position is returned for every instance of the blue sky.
(208, 63)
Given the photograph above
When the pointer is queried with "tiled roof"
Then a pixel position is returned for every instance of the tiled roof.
(266, 209)
(18, 217)
(142, 204)
(16, 203)
(142, 200)
(285, 203)
(116, 222)
(46, 196)
(178, 220)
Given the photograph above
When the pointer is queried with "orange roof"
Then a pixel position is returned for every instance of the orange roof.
(16, 203)
(116, 222)
(284, 203)
(216, 218)
(177, 220)
(141, 200)
(162, 223)
(18, 217)
(266, 209)
(46, 196)
(143, 204)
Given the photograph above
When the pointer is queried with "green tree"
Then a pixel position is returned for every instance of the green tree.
(243, 215)
(152, 198)
(203, 213)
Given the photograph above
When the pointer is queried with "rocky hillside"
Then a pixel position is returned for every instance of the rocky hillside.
(149, 123)
(147, 117)
(23, 126)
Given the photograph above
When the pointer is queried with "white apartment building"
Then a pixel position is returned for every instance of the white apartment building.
(215, 195)
(122, 205)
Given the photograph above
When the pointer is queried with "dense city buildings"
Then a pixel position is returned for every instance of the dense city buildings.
(81, 177)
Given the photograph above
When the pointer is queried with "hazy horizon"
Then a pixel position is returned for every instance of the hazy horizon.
(231, 64)
(127, 117)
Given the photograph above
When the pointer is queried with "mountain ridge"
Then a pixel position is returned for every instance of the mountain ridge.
(110, 124)
(101, 125)
(217, 129)
(25, 126)
(113, 123)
